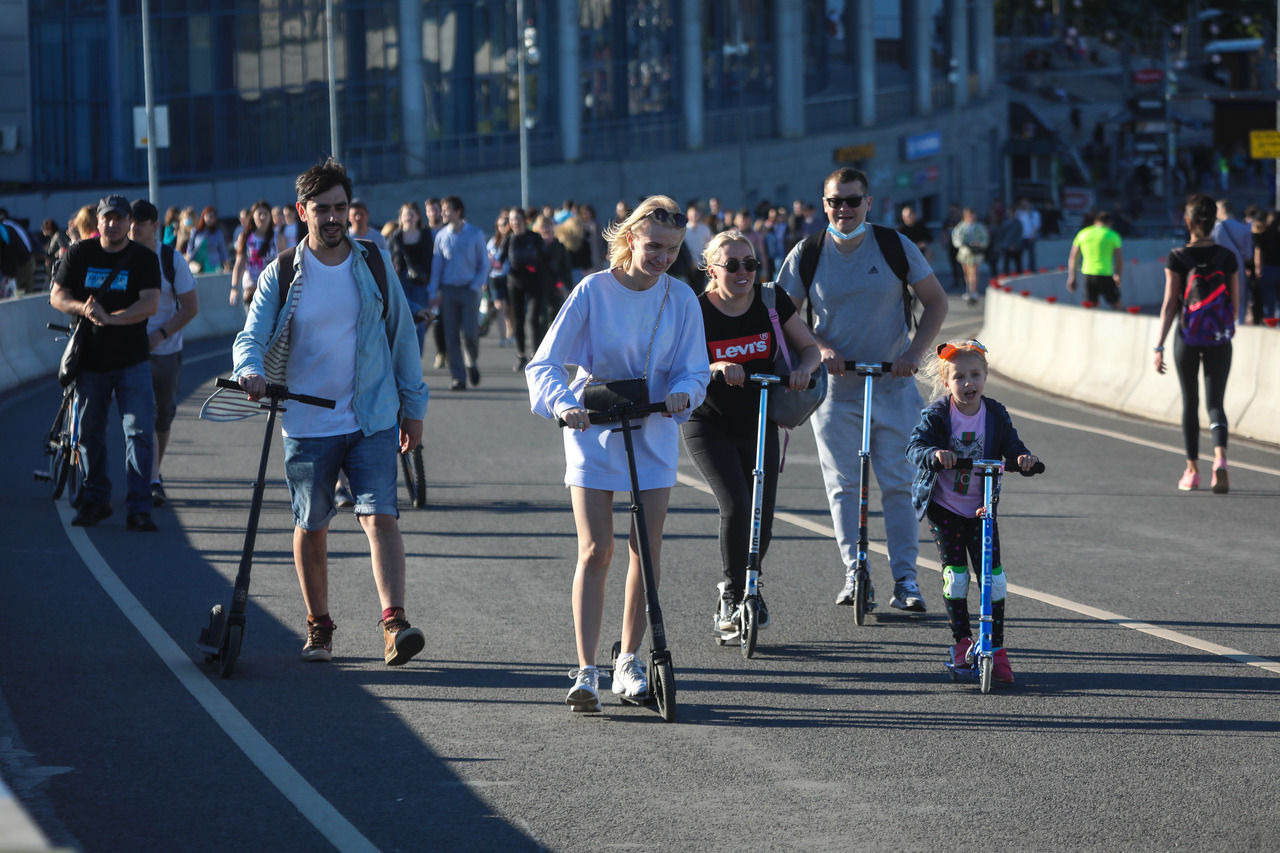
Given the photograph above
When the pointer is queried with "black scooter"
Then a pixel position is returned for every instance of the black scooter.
(661, 674)
(221, 640)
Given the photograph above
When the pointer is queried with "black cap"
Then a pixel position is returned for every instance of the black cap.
(145, 211)
(115, 204)
(358, 202)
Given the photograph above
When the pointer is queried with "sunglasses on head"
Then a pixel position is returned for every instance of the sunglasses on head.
(836, 201)
(665, 217)
(748, 264)
(946, 352)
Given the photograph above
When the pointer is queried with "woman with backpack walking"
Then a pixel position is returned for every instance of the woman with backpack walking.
(1202, 290)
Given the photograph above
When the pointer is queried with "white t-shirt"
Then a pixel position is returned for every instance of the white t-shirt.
(322, 350)
(184, 282)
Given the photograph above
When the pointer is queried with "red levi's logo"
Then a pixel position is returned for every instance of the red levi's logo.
(740, 350)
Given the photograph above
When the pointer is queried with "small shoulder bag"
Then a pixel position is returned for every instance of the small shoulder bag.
(608, 395)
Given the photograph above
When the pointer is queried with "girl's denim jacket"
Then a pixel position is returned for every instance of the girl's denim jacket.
(1000, 440)
(388, 368)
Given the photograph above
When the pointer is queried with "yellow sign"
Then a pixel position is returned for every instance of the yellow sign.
(854, 153)
(1264, 144)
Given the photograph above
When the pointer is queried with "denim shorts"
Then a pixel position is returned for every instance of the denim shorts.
(165, 371)
(311, 467)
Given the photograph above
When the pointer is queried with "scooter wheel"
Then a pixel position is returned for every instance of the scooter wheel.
(985, 665)
(749, 627)
(615, 653)
(860, 597)
(231, 649)
(662, 684)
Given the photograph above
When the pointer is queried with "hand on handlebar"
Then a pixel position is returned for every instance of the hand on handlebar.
(904, 365)
(676, 402)
(799, 380)
(834, 361)
(730, 372)
(577, 418)
(945, 459)
(254, 385)
(1027, 461)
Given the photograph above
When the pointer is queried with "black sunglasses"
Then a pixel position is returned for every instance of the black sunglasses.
(834, 201)
(748, 264)
(665, 217)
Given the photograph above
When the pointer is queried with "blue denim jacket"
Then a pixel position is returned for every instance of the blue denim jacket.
(1000, 441)
(388, 370)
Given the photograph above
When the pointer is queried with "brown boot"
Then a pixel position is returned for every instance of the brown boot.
(402, 641)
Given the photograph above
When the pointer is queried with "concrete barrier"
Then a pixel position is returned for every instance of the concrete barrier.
(28, 350)
(1105, 358)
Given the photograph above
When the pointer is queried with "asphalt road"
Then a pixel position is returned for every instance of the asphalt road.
(1141, 626)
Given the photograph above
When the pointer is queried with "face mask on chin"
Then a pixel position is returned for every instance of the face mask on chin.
(841, 236)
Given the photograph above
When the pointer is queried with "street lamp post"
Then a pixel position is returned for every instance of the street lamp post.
(333, 83)
(153, 169)
(523, 117)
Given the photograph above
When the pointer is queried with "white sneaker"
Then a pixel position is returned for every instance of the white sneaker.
(726, 617)
(585, 695)
(628, 677)
(845, 596)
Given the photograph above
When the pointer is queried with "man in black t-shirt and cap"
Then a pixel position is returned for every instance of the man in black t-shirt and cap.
(114, 285)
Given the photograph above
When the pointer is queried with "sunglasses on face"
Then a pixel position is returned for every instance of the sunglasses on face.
(836, 201)
(946, 352)
(665, 217)
(732, 265)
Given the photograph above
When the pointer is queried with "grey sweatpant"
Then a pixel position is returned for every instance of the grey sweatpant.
(837, 426)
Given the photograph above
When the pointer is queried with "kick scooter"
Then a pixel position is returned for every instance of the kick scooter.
(220, 640)
(747, 629)
(863, 600)
(980, 659)
(661, 675)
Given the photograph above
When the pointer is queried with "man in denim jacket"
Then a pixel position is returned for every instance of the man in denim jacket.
(331, 336)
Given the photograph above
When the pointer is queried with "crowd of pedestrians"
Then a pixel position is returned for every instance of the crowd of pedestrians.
(655, 303)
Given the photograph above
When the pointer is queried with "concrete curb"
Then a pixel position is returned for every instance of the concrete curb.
(28, 350)
(1105, 358)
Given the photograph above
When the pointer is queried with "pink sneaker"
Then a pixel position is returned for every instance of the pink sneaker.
(960, 651)
(1190, 481)
(1220, 483)
(1000, 670)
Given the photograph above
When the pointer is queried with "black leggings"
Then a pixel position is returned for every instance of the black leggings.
(528, 299)
(1217, 364)
(726, 460)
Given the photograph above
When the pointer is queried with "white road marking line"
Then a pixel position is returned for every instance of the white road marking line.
(318, 811)
(1141, 442)
(1043, 597)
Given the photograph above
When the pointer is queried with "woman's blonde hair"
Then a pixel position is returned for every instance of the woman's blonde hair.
(616, 234)
(715, 244)
(935, 368)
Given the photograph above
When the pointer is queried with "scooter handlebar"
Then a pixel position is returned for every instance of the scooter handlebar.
(66, 330)
(615, 415)
(278, 392)
(874, 368)
(966, 464)
(718, 376)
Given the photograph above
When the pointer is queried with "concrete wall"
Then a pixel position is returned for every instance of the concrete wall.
(28, 350)
(1105, 358)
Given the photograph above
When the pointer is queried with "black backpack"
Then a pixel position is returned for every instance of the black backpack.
(373, 258)
(167, 253)
(890, 246)
(14, 253)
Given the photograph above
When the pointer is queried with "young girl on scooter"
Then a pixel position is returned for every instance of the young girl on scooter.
(963, 423)
(629, 322)
(721, 435)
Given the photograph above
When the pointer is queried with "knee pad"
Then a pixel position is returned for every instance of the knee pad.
(999, 584)
(955, 582)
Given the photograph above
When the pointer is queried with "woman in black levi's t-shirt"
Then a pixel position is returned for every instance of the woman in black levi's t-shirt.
(721, 434)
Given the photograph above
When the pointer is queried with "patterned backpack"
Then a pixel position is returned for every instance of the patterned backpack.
(1208, 319)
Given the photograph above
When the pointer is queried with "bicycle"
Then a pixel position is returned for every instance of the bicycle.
(980, 659)
(62, 444)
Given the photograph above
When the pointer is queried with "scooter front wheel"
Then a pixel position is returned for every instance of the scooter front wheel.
(985, 665)
(231, 650)
(861, 585)
(662, 685)
(749, 627)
